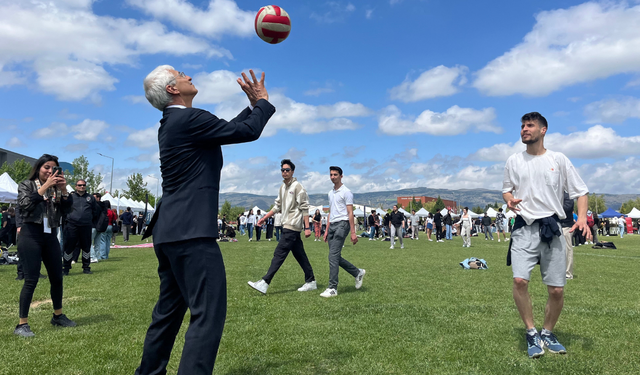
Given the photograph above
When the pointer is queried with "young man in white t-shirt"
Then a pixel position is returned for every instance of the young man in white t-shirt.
(340, 223)
(534, 184)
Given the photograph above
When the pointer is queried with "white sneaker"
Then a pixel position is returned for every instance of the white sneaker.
(94, 260)
(359, 278)
(486, 239)
(430, 240)
(261, 286)
(370, 239)
(329, 293)
(249, 239)
(391, 247)
(308, 286)
(498, 240)
(402, 246)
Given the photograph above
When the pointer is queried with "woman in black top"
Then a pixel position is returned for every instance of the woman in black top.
(42, 200)
(317, 224)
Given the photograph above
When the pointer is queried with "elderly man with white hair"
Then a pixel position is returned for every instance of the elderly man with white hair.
(184, 226)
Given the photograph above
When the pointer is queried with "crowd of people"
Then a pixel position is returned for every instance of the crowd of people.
(53, 225)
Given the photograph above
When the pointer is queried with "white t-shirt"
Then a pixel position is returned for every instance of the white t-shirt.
(243, 220)
(338, 202)
(540, 181)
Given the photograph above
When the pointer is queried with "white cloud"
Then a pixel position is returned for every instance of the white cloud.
(135, 99)
(368, 13)
(220, 88)
(222, 17)
(567, 46)
(595, 143)
(145, 138)
(613, 111)
(67, 46)
(89, 130)
(453, 121)
(14, 142)
(332, 11)
(319, 91)
(439, 81)
(620, 177)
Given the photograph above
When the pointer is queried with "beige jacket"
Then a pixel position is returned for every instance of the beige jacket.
(293, 203)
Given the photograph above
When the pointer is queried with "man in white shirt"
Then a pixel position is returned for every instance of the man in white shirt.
(339, 225)
(243, 222)
(533, 186)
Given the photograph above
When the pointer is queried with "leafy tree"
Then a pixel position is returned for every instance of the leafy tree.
(429, 206)
(231, 212)
(137, 188)
(116, 194)
(439, 206)
(597, 202)
(629, 205)
(18, 170)
(414, 205)
(477, 209)
(81, 171)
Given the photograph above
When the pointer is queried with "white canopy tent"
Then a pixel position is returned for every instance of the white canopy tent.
(422, 212)
(634, 214)
(404, 211)
(511, 214)
(473, 215)
(491, 212)
(8, 189)
(255, 211)
(358, 213)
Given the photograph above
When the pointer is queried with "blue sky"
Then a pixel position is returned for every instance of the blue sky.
(400, 93)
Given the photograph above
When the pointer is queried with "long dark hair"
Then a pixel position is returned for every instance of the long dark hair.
(35, 171)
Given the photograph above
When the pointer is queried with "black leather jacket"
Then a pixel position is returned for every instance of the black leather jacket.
(33, 206)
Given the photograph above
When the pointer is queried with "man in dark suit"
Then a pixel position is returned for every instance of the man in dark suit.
(184, 226)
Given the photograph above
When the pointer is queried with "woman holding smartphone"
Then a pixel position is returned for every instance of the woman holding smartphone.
(42, 200)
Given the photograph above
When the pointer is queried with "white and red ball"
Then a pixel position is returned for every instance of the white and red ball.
(273, 24)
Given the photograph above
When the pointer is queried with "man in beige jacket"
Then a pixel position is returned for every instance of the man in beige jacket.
(293, 203)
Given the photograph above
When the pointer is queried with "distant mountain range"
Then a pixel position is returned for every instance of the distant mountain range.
(386, 199)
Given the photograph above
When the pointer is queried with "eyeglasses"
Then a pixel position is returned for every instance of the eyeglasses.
(181, 74)
(81, 184)
(285, 169)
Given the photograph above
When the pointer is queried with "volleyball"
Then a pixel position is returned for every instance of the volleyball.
(272, 24)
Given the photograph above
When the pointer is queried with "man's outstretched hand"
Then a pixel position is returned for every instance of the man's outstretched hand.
(255, 89)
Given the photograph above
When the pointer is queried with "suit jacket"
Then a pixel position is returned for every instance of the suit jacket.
(190, 162)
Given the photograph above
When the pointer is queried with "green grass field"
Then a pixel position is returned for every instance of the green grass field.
(418, 312)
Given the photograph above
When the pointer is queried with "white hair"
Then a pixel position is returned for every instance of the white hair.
(155, 86)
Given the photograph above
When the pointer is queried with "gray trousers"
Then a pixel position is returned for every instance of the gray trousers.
(337, 234)
(396, 229)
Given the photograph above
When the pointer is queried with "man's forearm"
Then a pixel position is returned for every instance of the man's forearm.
(305, 222)
(583, 206)
(507, 197)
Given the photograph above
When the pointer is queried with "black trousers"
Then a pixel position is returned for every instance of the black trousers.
(258, 232)
(192, 276)
(269, 231)
(439, 234)
(37, 247)
(80, 236)
(290, 241)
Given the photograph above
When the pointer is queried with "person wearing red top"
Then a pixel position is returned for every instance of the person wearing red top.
(108, 234)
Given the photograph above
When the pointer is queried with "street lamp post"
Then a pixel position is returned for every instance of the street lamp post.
(111, 185)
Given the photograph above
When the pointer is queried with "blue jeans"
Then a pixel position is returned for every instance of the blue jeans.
(106, 242)
(95, 243)
(448, 236)
(278, 231)
(250, 230)
(372, 231)
(621, 229)
(242, 229)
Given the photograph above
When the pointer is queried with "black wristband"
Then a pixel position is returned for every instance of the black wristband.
(306, 228)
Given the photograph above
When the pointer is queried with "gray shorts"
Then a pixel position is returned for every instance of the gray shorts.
(527, 249)
(499, 227)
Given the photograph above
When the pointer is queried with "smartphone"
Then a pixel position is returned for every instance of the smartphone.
(57, 170)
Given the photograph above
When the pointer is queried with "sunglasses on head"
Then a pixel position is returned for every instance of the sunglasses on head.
(285, 169)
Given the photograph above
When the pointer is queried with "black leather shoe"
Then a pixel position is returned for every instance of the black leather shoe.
(88, 272)
(20, 277)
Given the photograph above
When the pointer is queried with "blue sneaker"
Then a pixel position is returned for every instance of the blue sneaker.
(551, 342)
(535, 346)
